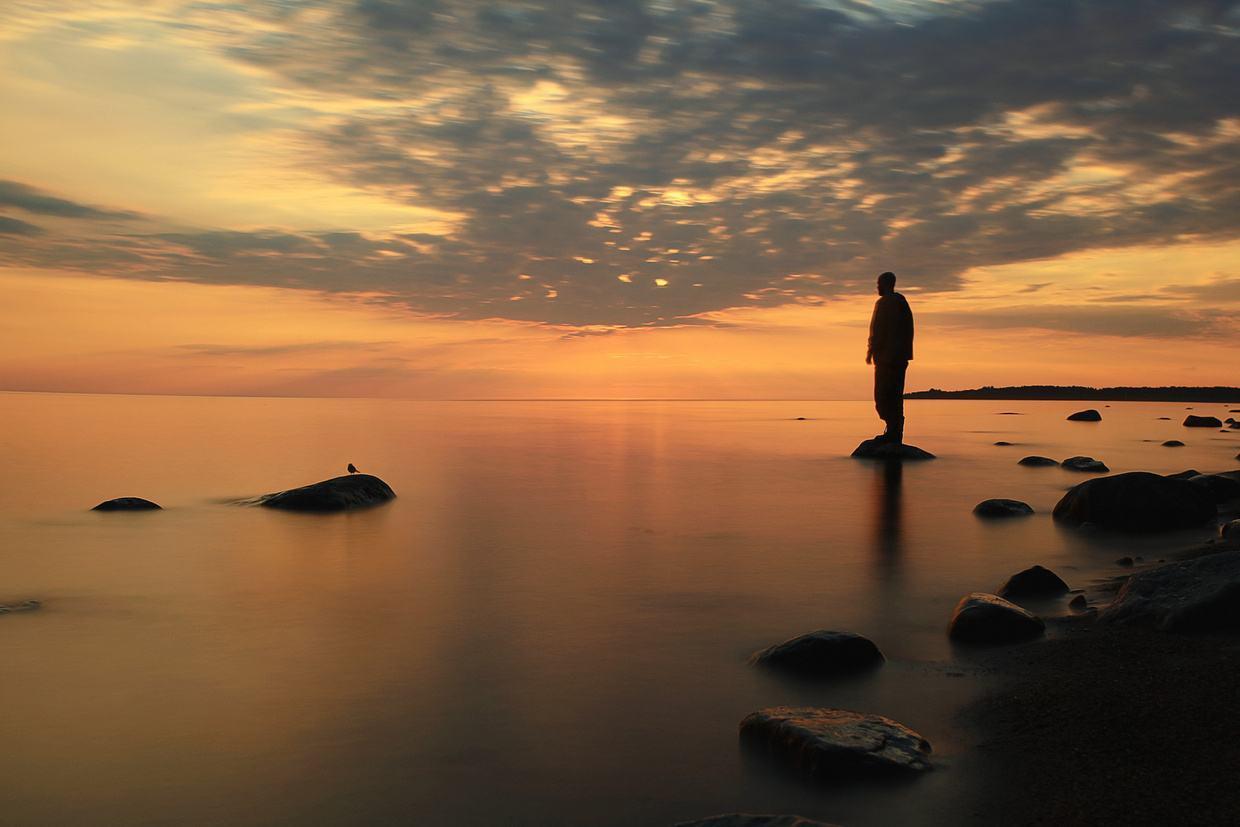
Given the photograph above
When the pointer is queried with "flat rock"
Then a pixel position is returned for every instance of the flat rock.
(988, 618)
(1037, 462)
(1033, 582)
(336, 494)
(27, 606)
(1085, 464)
(821, 653)
(1192, 421)
(127, 504)
(1200, 595)
(1002, 508)
(878, 449)
(835, 744)
(1173, 443)
(1089, 415)
(1136, 501)
(750, 820)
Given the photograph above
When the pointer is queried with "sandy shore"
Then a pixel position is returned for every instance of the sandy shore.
(1107, 725)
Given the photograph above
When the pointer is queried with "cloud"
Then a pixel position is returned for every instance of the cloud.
(32, 200)
(633, 163)
(15, 226)
(1109, 320)
(278, 350)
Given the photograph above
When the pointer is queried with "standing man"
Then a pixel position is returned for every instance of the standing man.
(890, 350)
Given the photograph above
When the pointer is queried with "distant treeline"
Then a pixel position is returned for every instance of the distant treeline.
(1172, 394)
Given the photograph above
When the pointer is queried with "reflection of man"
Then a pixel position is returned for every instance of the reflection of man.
(890, 350)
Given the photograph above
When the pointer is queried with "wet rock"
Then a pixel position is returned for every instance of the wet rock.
(1085, 464)
(1136, 501)
(1201, 595)
(1193, 421)
(1221, 487)
(1173, 443)
(1165, 417)
(127, 504)
(1002, 443)
(1078, 603)
(336, 494)
(1002, 508)
(749, 820)
(1037, 462)
(1033, 582)
(821, 654)
(835, 744)
(800, 419)
(27, 606)
(878, 449)
(988, 618)
(1090, 415)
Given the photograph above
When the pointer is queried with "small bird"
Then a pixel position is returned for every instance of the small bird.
(352, 468)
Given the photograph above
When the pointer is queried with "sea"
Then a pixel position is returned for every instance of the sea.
(550, 625)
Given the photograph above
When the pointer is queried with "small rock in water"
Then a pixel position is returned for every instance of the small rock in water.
(821, 654)
(1001, 442)
(27, 606)
(1127, 562)
(1173, 443)
(1085, 464)
(1089, 415)
(1165, 417)
(1192, 421)
(988, 618)
(1037, 462)
(1033, 582)
(800, 419)
(835, 744)
(750, 820)
(127, 504)
(1078, 603)
(1002, 508)
(890, 451)
(336, 494)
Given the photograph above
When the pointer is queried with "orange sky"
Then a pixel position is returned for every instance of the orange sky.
(198, 200)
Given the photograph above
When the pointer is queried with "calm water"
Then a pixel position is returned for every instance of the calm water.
(549, 626)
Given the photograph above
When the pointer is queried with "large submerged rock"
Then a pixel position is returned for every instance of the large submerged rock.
(336, 494)
(1192, 421)
(988, 618)
(1090, 415)
(1035, 582)
(821, 654)
(751, 820)
(1002, 508)
(127, 504)
(835, 744)
(1201, 595)
(890, 451)
(1137, 501)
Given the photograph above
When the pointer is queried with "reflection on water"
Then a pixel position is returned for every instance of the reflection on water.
(549, 625)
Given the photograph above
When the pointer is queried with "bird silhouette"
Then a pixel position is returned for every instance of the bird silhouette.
(352, 468)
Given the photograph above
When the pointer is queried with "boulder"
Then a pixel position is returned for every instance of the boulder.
(1085, 465)
(1200, 595)
(821, 654)
(127, 504)
(1173, 443)
(1136, 501)
(749, 820)
(988, 618)
(1033, 582)
(27, 606)
(1229, 530)
(1090, 415)
(835, 744)
(1193, 421)
(336, 494)
(890, 451)
(1078, 603)
(1221, 487)
(1002, 508)
(1037, 462)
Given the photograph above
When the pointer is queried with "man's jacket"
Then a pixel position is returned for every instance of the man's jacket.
(891, 329)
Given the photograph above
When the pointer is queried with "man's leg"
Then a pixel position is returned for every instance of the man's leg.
(895, 425)
(883, 402)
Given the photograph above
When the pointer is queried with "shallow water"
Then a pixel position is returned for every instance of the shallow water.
(548, 626)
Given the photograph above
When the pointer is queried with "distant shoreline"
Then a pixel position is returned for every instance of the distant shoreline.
(1217, 393)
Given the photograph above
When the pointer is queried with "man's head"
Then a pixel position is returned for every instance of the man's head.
(886, 283)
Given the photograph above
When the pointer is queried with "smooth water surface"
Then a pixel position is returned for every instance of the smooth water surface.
(550, 625)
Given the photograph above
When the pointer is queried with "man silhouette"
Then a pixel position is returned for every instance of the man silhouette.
(890, 350)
